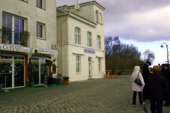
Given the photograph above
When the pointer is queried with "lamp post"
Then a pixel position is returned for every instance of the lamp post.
(167, 49)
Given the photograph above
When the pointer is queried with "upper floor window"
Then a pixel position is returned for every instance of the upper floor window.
(25, 1)
(13, 29)
(89, 39)
(41, 4)
(101, 18)
(97, 16)
(99, 42)
(41, 33)
(77, 33)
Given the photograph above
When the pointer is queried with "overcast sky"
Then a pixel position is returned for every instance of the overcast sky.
(143, 23)
(142, 20)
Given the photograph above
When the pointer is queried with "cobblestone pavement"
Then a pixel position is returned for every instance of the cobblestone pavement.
(93, 96)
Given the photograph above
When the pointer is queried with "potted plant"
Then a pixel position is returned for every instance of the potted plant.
(4, 35)
(66, 80)
(24, 38)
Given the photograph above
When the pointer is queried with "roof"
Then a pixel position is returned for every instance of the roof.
(94, 2)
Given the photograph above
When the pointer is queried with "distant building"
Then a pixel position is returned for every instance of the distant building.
(80, 32)
(27, 31)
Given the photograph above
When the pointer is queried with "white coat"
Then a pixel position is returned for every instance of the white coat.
(136, 73)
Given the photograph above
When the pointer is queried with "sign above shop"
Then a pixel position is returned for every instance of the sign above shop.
(46, 51)
(14, 48)
(89, 50)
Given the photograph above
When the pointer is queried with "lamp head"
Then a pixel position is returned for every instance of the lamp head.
(161, 46)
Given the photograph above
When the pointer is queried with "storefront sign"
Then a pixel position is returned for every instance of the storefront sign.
(14, 48)
(46, 51)
(89, 50)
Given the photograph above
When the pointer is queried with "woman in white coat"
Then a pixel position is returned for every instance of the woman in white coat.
(137, 89)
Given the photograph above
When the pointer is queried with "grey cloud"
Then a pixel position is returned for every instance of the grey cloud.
(117, 19)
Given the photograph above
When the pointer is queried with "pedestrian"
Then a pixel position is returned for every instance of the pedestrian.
(137, 89)
(166, 74)
(146, 73)
(156, 90)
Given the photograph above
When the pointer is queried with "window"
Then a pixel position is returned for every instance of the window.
(25, 1)
(77, 35)
(99, 64)
(101, 18)
(10, 34)
(98, 42)
(89, 39)
(41, 30)
(78, 63)
(41, 4)
(97, 16)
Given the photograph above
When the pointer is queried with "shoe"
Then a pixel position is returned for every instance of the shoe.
(145, 108)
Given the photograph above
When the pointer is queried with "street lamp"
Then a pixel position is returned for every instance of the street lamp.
(167, 49)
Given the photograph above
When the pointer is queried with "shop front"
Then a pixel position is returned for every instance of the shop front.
(12, 68)
(39, 72)
(13, 65)
(40, 69)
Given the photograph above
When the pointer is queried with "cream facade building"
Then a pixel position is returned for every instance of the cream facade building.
(80, 34)
(27, 31)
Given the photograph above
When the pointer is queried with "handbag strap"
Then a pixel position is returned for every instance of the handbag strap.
(137, 76)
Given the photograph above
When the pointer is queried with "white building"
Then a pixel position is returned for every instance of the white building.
(80, 34)
(27, 31)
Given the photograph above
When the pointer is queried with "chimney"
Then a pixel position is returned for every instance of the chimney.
(77, 6)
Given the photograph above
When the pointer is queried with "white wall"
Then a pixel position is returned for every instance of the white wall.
(34, 14)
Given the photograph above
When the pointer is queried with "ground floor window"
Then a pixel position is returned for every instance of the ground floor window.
(11, 71)
(99, 64)
(78, 63)
(39, 71)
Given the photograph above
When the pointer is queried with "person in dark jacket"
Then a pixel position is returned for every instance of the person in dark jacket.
(166, 74)
(156, 91)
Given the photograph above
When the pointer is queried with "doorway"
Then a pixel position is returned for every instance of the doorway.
(39, 71)
(90, 67)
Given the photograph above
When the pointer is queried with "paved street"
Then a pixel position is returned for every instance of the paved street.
(93, 96)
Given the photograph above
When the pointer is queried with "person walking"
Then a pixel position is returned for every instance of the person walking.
(166, 74)
(136, 88)
(156, 91)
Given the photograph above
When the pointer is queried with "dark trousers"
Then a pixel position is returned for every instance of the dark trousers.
(139, 95)
(156, 105)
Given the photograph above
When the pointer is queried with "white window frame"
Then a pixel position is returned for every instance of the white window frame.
(78, 63)
(43, 32)
(99, 43)
(41, 6)
(77, 35)
(89, 39)
(99, 64)
(97, 16)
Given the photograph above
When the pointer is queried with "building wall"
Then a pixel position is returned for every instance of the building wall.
(73, 50)
(68, 50)
(34, 14)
